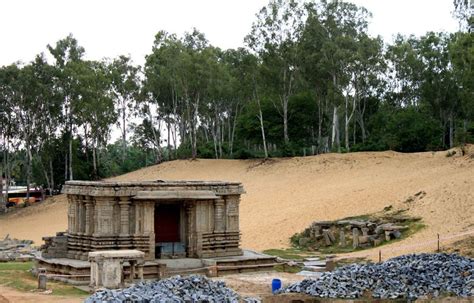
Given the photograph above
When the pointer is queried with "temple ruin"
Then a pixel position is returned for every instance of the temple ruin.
(192, 220)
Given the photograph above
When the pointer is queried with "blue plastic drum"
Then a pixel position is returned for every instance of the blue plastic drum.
(276, 285)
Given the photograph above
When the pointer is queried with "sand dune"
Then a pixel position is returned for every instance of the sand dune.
(285, 195)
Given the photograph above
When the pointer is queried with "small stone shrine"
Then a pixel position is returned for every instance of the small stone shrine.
(107, 268)
(172, 219)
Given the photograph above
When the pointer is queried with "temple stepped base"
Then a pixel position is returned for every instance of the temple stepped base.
(77, 272)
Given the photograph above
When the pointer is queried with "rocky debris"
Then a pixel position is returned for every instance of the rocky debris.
(16, 250)
(55, 247)
(358, 233)
(177, 289)
(410, 277)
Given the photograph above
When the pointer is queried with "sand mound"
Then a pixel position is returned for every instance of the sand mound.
(285, 195)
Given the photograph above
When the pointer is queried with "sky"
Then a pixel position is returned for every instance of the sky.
(109, 28)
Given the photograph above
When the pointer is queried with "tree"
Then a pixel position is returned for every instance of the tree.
(329, 47)
(463, 12)
(274, 37)
(68, 55)
(125, 87)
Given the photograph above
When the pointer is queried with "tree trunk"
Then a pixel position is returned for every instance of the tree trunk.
(348, 118)
(66, 167)
(71, 176)
(260, 117)
(52, 176)
(335, 140)
(28, 168)
(234, 125)
(320, 125)
(94, 163)
(451, 131)
(168, 128)
(3, 206)
(285, 119)
(194, 127)
(124, 132)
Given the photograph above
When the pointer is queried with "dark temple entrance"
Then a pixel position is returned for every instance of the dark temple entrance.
(167, 217)
(168, 231)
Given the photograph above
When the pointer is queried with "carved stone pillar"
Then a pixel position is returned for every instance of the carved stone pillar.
(89, 204)
(81, 213)
(124, 216)
(104, 216)
(78, 213)
(70, 214)
(219, 212)
(232, 213)
(190, 229)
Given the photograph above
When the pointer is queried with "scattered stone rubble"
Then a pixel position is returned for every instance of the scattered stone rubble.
(177, 289)
(362, 234)
(16, 250)
(55, 247)
(410, 277)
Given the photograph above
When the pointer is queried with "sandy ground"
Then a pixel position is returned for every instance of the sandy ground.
(285, 195)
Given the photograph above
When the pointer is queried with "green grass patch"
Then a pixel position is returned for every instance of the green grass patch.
(17, 276)
(289, 269)
(24, 266)
(290, 253)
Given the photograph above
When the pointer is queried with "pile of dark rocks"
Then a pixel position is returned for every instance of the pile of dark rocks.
(409, 277)
(177, 289)
(17, 250)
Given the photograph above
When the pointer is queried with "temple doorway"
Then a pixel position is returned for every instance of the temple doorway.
(168, 231)
(167, 217)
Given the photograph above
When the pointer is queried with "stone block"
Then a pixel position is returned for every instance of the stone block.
(342, 237)
(327, 239)
(355, 237)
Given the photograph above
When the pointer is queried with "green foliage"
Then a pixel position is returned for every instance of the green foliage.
(405, 130)
(310, 80)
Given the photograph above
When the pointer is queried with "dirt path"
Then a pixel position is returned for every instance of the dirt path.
(9, 295)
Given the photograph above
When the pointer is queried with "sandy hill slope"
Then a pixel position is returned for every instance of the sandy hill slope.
(285, 195)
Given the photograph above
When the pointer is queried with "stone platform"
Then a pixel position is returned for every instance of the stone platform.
(77, 272)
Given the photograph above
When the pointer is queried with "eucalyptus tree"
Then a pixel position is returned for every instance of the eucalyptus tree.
(25, 96)
(8, 126)
(196, 60)
(162, 71)
(461, 51)
(68, 56)
(404, 72)
(328, 47)
(464, 13)
(125, 87)
(247, 67)
(242, 67)
(438, 88)
(274, 37)
(366, 82)
(94, 106)
(48, 118)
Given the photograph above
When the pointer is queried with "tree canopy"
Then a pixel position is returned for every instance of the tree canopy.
(308, 79)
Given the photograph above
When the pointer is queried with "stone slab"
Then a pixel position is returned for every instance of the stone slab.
(122, 254)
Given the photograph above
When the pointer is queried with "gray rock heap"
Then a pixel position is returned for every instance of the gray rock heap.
(409, 277)
(361, 233)
(16, 250)
(177, 289)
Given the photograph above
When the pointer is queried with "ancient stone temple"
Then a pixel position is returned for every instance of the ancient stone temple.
(183, 219)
